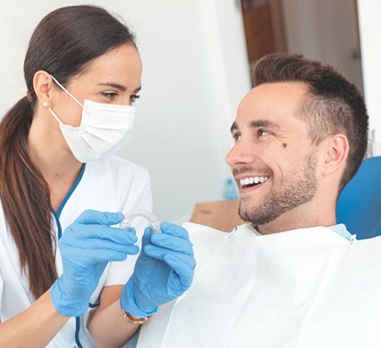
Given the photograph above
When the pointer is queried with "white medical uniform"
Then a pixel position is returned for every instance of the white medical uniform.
(113, 185)
(297, 289)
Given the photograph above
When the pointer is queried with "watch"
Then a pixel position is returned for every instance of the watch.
(128, 318)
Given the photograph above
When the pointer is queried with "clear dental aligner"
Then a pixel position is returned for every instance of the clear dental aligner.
(151, 218)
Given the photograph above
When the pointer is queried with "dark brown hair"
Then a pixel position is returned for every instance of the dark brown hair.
(63, 44)
(333, 104)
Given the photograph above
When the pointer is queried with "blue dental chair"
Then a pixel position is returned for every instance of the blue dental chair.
(359, 204)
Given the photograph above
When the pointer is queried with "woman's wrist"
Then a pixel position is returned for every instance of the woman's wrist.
(131, 319)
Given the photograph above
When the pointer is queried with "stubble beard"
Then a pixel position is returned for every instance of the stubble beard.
(299, 189)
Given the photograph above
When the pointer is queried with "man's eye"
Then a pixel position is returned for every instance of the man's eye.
(263, 132)
(236, 137)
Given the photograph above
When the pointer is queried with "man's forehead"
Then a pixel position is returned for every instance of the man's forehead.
(277, 90)
(270, 103)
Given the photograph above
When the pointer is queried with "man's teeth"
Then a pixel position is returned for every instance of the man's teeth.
(253, 180)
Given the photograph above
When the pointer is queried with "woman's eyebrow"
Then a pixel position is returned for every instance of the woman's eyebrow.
(118, 86)
(137, 90)
(114, 85)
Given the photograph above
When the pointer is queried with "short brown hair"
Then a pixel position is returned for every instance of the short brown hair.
(333, 105)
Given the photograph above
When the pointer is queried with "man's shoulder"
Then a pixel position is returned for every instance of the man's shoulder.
(207, 240)
(203, 232)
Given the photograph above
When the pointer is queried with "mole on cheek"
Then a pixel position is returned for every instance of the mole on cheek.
(284, 145)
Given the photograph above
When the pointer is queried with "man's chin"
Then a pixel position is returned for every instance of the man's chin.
(246, 214)
(256, 216)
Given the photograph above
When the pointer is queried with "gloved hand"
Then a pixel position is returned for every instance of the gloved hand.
(86, 246)
(163, 271)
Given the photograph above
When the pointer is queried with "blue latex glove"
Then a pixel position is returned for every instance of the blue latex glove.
(86, 247)
(163, 271)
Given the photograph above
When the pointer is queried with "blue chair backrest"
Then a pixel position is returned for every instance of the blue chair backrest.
(359, 204)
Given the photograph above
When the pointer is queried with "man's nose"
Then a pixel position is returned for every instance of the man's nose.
(240, 154)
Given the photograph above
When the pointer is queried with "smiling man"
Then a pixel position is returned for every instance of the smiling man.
(302, 134)
(273, 159)
(291, 276)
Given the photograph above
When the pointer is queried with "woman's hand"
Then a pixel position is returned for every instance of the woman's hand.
(163, 270)
(86, 247)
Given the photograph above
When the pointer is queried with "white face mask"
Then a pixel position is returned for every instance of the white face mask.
(104, 129)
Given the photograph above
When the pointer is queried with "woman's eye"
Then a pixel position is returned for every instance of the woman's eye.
(134, 97)
(109, 95)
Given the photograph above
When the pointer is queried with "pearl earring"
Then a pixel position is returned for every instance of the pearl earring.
(45, 104)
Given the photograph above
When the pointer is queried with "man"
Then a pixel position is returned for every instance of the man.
(292, 277)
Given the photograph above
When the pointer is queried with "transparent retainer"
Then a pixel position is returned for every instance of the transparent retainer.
(153, 221)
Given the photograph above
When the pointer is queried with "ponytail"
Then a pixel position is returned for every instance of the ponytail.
(25, 197)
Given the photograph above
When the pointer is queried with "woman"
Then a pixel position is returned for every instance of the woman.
(64, 277)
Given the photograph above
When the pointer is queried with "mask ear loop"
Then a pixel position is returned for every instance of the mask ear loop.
(62, 87)
(151, 218)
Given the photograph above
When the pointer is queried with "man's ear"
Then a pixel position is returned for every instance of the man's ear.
(336, 151)
(43, 87)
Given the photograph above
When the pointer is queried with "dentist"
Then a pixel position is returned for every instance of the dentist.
(68, 275)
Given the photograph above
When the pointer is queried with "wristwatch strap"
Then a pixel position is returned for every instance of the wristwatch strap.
(130, 319)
